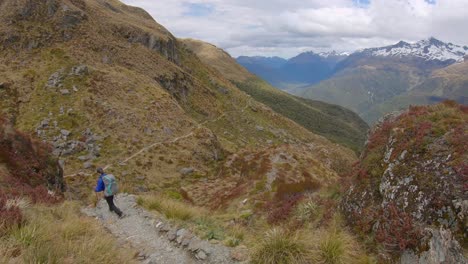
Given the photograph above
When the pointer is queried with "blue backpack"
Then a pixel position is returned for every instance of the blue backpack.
(110, 183)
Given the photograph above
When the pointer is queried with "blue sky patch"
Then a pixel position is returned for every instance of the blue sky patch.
(198, 9)
(361, 2)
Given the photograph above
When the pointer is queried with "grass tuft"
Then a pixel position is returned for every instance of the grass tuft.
(281, 247)
(334, 247)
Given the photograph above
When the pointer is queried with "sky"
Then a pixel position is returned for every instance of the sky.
(286, 28)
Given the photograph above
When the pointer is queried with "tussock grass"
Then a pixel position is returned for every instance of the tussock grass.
(280, 247)
(335, 246)
(306, 211)
(172, 209)
(59, 234)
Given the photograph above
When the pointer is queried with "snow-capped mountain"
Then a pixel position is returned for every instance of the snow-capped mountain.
(428, 49)
(333, 54)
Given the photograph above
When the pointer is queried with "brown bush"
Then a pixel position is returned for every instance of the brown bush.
(31, 167)
(279, 210)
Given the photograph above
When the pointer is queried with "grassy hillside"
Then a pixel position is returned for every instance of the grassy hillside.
(331, 121)
(106, 85)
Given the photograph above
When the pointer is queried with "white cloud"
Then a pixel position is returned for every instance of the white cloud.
(285, 28)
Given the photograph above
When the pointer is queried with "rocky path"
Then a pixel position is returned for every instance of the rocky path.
(156, 240)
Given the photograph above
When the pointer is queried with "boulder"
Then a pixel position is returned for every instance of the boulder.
(187, 171)
(65, 132)
(87, 165)
(442, 249)
(55, 80)
(201, 254)
(171, 235)
(44, 123)
(71, 17)
(65, 92)
(79, 70)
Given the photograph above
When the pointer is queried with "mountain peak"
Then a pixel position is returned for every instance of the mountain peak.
(428, 49)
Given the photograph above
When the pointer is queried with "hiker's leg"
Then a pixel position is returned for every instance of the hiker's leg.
(114, 208)
(110, 202)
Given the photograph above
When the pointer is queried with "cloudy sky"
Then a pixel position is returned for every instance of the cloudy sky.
(287, 27)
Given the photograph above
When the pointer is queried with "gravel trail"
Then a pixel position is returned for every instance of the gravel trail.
(156, 240)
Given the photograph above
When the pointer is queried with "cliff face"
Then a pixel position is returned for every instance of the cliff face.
(409, 189)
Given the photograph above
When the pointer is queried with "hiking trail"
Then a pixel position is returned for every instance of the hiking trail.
(174, 140)
(155, 239)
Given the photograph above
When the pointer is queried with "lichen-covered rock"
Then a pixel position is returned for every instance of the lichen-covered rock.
(411, 180)
(442, 249)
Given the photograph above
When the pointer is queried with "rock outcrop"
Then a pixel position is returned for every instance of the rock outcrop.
(409, 188)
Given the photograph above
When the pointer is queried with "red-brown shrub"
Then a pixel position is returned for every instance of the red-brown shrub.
(279, 210)
(396, 229)
(423, 129)
(30, 166)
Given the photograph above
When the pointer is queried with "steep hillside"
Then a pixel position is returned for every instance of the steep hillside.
(371, 81)
(333, 122)
(108, 86)
(409, 189)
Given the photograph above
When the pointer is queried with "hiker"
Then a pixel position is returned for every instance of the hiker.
(107, 184)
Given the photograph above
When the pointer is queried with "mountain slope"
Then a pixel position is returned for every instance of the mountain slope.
(450, 82)
(336, 123)
(108, 86)
(372, 80)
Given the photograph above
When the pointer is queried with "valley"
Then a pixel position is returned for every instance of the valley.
(214, 163)
(375, 81)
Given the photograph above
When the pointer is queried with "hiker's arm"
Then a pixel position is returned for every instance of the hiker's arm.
(99, 186)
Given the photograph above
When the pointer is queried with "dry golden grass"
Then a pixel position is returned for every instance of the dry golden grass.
(281, 247)
(172, 209)
(59, 234)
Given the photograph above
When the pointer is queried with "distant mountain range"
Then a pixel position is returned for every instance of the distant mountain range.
(429, 49)
(373, 81)
(306, 68)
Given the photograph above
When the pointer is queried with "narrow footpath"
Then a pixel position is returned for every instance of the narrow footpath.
(156, 240)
